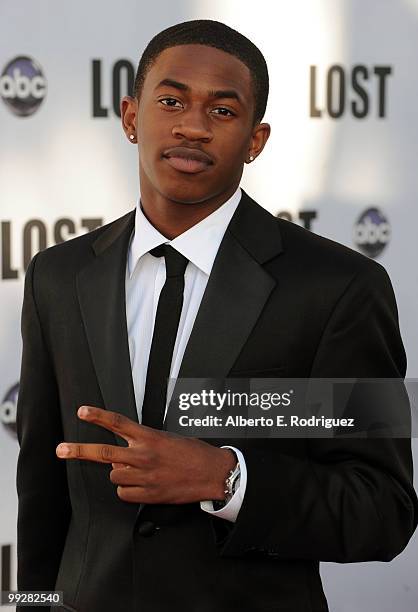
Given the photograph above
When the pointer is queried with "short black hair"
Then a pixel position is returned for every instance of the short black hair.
(211, 34)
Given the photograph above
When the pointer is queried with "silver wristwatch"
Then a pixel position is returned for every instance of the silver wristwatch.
(232, 482)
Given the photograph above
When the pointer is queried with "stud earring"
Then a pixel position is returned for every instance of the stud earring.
(132, 137)
(251, 158)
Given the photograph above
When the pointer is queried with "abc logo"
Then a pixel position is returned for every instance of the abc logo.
(371, 232)
(8, 409)
(22, 86)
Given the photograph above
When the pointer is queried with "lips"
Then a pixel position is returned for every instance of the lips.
(187, 159)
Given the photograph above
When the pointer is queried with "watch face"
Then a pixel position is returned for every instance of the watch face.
(232, 482)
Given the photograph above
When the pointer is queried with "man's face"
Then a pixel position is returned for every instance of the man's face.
(179, 107)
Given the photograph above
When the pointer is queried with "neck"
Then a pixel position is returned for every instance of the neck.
(172, 218)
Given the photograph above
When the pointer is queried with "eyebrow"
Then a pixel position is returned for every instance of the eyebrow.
(219, 93)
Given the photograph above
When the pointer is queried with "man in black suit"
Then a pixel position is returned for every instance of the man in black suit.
(274, 300)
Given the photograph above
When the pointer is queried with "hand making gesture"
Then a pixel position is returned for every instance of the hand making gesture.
(157, 467)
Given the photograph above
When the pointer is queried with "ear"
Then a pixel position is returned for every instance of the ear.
(128, 113)
(260, 135)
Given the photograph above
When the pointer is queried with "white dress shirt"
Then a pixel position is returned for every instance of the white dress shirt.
(145, 277)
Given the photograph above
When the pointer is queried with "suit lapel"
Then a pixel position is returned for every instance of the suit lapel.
(235, 295)
(101, 293)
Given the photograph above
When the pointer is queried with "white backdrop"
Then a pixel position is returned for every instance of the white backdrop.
(333, 155)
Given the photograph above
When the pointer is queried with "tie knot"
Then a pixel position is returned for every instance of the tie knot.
(175, 262)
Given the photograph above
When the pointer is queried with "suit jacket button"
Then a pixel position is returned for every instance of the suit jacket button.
(147, 528)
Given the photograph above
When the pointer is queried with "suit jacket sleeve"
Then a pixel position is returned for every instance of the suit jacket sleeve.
(43, 500)
(346, 499)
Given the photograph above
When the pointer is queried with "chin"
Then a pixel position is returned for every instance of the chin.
(187, 194)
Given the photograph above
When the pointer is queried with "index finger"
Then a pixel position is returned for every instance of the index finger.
(113, 421)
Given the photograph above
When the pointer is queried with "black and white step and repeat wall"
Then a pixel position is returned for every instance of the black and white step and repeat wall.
(342, 161)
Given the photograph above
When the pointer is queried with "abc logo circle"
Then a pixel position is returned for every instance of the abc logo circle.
(8, 409)
(371, 232)
(22, 86)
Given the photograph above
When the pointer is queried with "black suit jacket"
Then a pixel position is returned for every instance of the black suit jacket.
(280, 301)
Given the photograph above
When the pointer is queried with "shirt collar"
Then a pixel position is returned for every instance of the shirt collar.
(199, 244)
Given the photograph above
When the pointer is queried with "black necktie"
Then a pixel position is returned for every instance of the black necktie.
(164, 336)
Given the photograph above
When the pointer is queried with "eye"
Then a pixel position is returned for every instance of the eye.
(222, 108)
(170, 100)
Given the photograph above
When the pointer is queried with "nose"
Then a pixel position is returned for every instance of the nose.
(193, 125)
